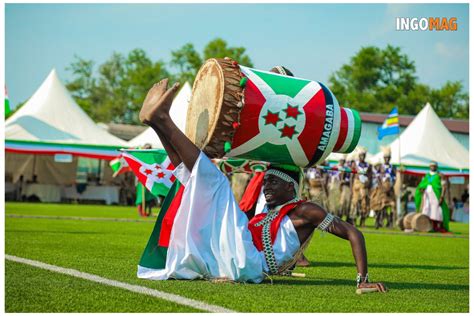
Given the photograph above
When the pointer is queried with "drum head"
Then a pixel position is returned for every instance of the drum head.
(205, 104)
(213, 107)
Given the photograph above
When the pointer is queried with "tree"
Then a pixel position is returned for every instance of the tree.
(450, 101)
(376, 80)
(117, 91)
(188, 60)
(114, 91)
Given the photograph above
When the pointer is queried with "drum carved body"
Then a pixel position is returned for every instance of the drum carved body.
(241, 112)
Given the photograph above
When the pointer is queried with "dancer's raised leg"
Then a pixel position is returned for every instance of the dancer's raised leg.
(155, 113)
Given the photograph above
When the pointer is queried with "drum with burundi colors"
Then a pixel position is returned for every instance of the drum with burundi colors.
(247, 113)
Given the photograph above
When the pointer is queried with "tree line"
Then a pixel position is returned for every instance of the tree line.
(374, 80)
(114, 91)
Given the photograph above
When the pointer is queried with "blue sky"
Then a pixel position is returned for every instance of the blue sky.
(313, 40)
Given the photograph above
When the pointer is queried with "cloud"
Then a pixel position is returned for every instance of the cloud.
(451, 51)
(396, 10)
(392, 11)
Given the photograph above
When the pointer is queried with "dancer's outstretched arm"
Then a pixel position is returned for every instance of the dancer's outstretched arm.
(155, 112)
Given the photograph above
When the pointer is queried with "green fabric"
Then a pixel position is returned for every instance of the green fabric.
(269, 152)
(435, 182)
(357, 131)
(7, 106)
(59, 145)
(289, 86)
(154, 256)
(148, 156)
(148, 195)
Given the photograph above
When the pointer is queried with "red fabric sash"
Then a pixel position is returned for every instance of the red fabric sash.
(168, 220)
(252, 192)
(256, 231)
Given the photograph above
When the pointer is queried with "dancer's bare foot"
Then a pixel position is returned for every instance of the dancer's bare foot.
(157, 102)
(302, 262)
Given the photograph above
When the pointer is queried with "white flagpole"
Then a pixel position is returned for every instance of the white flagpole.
(399, 201)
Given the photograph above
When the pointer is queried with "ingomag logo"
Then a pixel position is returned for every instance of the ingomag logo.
(427, 24)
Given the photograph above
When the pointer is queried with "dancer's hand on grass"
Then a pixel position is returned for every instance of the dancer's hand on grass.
(379, 286)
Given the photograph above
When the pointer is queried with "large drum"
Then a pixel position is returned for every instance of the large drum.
(247, 113)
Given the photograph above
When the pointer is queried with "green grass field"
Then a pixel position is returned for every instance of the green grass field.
(424, 273)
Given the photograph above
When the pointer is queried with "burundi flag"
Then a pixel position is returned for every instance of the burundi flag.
(153, 169)
(290, 121)
(390, 126)
(119, 165)
(7, 103)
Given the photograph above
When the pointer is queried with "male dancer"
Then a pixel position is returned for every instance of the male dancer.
(360, 188)
(212, 238)
(429, 198)
(345, 201)
(388, 182)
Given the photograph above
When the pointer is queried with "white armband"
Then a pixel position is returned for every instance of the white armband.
(327, 221)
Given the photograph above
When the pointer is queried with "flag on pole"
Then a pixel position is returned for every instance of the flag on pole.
(119, 165)
(7, 103)
(390, 126)
(153, 169)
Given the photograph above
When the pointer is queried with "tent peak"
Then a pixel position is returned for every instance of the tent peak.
(52, 115)
(53, 72)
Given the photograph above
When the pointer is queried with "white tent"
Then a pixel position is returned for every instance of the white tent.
(427, 139)
(51, 127)
(178, 111)
(52, 122)
(354, 155)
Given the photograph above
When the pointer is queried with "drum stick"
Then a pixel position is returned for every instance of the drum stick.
(366, 290)
(298, 275)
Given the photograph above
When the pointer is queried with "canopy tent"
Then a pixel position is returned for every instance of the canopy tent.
(427, 139)
(178, 112)
(334, 158)
(51, 122)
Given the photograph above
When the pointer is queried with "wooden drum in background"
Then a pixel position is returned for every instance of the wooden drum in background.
(407, 220)
(247, 113)
(421, 223)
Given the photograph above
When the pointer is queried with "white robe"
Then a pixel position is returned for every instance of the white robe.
(431, 207)
(210, 236)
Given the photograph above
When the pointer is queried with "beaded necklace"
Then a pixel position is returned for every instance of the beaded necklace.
(266, 236)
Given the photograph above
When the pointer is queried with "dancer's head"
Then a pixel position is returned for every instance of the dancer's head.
(282, 71)
(342, 160)
(280, 185)
(387, 154)
(433, 166)
(362, 154)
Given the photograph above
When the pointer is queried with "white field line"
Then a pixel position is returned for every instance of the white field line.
(126, 286)
(78, 218)
(153, 220)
